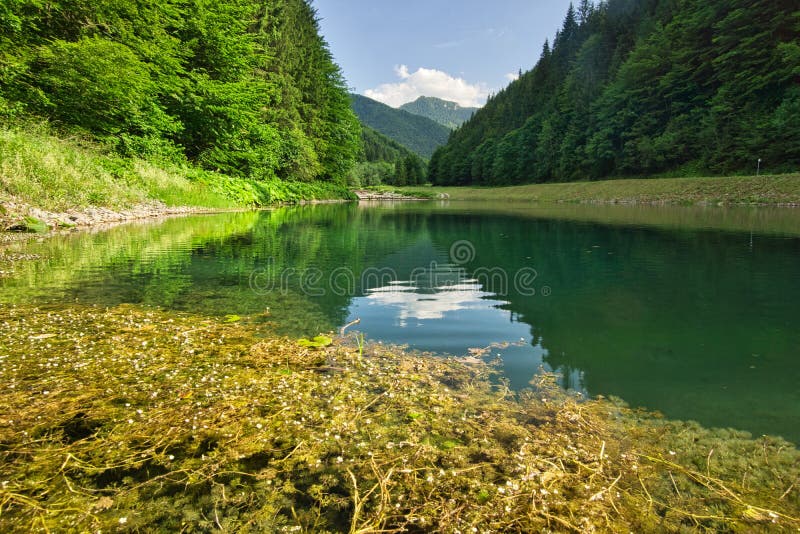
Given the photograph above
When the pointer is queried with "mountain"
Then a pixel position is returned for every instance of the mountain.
(444, 112)
(378, 147)
(643, 88)
(385, 161)
(419, 134)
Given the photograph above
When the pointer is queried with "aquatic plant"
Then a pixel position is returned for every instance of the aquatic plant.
(317, 342)
(128, 419)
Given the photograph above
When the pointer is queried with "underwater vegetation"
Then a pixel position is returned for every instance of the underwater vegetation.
(138, 420)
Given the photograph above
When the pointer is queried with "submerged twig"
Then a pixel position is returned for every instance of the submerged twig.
(348, 325)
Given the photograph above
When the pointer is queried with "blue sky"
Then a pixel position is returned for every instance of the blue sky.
(397, 50)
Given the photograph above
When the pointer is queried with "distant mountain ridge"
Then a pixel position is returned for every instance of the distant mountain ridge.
(419, 134)
(446, 113)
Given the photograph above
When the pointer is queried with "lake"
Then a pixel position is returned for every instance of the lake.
(690, 311)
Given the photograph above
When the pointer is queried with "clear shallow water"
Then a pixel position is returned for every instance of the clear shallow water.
(689, 311)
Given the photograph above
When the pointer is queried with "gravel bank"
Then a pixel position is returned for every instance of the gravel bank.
(19, 217)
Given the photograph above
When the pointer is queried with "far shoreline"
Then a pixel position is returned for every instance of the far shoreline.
(765, 190)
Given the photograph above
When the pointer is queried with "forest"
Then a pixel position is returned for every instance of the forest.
(245, 88)
(643, 88)
(419, 134)
(384, 161)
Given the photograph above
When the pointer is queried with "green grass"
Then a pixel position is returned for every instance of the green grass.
(768, 189)
(57, 174)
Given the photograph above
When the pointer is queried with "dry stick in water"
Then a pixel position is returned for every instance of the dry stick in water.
(348, 325)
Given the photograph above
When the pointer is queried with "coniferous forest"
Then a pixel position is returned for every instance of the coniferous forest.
(643, 88)
(248, 88)
(386, 162)
(419, 134)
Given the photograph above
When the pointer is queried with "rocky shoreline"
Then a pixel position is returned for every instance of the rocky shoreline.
(19, 217)
(21, 222)
(364, 194)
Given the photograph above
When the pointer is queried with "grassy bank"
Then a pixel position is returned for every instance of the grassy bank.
(127, 419)
(775, 190)
(44, 171)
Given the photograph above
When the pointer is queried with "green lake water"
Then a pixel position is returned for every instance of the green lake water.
(693, 312)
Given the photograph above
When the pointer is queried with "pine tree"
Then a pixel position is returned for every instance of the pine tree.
(585, 10)
(640, 87)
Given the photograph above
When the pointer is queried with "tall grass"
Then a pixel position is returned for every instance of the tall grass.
(57, 174)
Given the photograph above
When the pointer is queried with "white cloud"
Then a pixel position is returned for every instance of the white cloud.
(512, 76)
(428, 82)
(411, 304)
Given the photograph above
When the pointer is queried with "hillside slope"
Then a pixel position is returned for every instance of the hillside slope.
(385, 162)
(446, 113)
(422, 135)
(643, 88)
(379, 148)
(244, 88)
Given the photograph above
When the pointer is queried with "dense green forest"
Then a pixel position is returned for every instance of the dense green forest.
(639, 88)
(385, 161)
(378, 147)
(446, 113)
(242, 87)
(420, 134)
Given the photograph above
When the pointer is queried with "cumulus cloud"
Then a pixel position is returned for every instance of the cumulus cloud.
(511, 76)
(428, 82)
